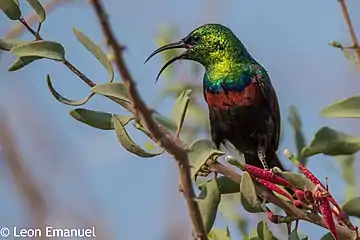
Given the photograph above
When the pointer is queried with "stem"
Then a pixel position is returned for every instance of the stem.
(354, 42)
(140, 110)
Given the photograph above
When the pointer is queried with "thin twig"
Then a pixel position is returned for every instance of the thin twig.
(18, 29)
(88, 81)
(354, 42)
(26, 25)
(166, 140)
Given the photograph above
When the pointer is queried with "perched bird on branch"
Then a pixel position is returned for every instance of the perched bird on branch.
(243, 106)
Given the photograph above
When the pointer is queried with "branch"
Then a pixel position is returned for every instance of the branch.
(18, 29)
(176, 147)
(286, 206)
(167, 141)
(24, 181)
(354, 42)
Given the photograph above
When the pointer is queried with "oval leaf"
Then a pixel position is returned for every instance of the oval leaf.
(199, 152)
(345, 108)
(11, 9)
(41, 48)
(352, 207)
(64, 100)
(227, 186)
(248, 197)
(297, 180)
(264, 232)
(294, 120)
(38, 8)
(126, 141)
(7, 43)
(116, 90)
(219, 234)
(348, 169)
(180, 107)
(209, 200)
(22, 62)
(96, 51)
(228, 210)
(331, 142)
(100, 120)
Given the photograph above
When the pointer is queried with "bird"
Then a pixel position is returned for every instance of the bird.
(242, 102)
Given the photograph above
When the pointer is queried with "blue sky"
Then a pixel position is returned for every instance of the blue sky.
(86, 168)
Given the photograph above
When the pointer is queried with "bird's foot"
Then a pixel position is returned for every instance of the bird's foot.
(204, 171)
(262, 158)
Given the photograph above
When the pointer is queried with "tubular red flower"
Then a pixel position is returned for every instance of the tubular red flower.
(267, 175)
(301, 205)
(309, 175)
(273, 187)
(326, 212)
(300, 195)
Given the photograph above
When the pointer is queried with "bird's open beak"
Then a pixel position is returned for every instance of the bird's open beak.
(179, 44)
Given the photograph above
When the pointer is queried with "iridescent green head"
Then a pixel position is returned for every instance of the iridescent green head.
(209, 45)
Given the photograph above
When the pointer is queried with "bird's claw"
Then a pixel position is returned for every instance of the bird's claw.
(262, 159)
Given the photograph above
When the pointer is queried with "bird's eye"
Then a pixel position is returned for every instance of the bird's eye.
(196, 38)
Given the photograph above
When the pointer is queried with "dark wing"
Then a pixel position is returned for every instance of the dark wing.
(263, 80)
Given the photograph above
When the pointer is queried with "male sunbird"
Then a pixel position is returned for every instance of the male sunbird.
(243, 106)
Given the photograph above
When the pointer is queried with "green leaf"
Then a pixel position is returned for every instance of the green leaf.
(352, 207)
(345, 108)
(7, 43)
(327, 236)
(127, 142)
(332, 142)
(100, 120)
(114, 89)
(227, 186)
(180, 107)
(264, 232)
(11, 9)
(248, 197)
(294, 120)
(228, 209)
(38, 8)
(349, 174)
(199, 152)
(64, 100)
(297, 180)
(22, 62)
(209, 200)
(348, 169)
(218, 234)
(96, 119)
(40, 48)
(96, 51)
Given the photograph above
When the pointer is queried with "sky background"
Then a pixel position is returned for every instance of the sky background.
(85, 172)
